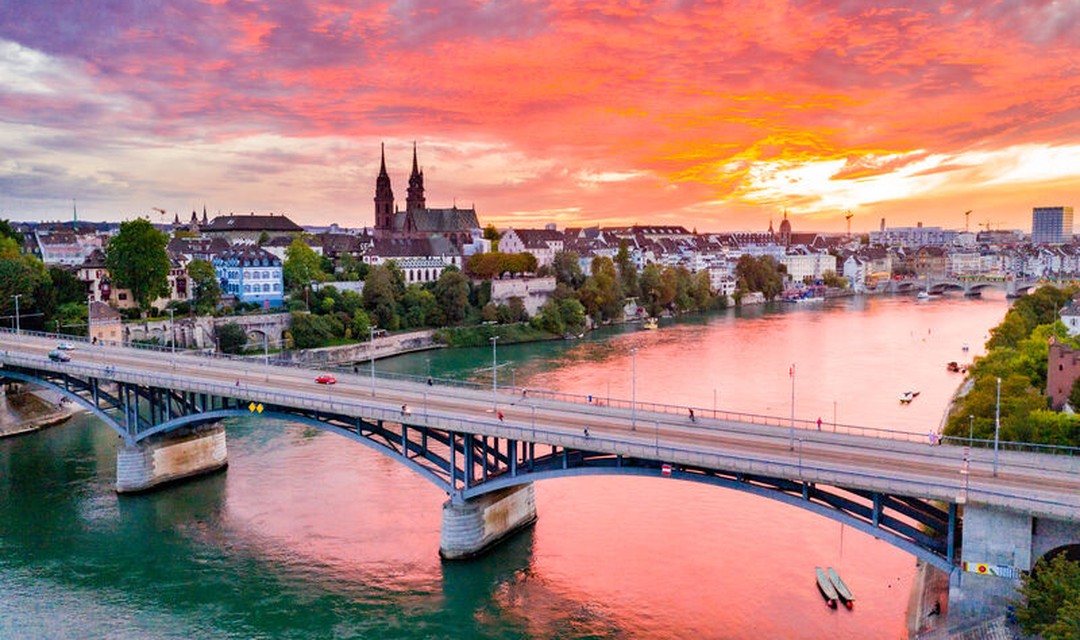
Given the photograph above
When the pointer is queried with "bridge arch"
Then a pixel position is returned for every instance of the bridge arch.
(71, 395)
(837, 515)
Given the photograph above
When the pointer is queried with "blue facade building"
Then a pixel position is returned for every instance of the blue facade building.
(250, 274)
(1051, 225)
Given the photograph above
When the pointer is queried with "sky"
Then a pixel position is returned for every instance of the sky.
(712, 115)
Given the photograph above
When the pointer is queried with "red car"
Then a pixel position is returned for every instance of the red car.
(326, 379)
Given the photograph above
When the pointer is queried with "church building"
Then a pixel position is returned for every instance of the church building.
(417, 220)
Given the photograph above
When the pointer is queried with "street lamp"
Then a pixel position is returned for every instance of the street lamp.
(89, 314)
(494, 373)
(971, 428)
(17, 328)
(997, 425)
(371, 354)
(172, 333)
(791, 443)
(633, 390)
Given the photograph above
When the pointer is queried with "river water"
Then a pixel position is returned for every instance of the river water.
(307, 535)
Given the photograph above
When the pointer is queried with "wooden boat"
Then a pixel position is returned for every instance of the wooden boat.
(841, 589)
(825, 587)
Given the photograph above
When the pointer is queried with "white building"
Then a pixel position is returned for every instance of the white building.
(542, 243)
(801, 266)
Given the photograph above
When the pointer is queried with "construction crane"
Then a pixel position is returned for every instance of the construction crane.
(989, 226)
(848, 217)
(967, 220)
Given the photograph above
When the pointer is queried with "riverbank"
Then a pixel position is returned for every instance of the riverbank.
(29, 411)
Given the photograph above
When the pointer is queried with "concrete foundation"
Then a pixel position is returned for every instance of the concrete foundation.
(151, 464)
(994, 537)
(472, 528)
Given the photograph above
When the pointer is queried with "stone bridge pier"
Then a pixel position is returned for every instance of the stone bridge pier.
(471, 527)
(997, 545)
(169, 457)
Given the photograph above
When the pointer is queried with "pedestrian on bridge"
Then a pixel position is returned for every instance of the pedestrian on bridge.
(819, 423)
(692, 416)
(499, 413)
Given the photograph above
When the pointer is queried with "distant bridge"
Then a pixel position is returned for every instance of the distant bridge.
(970, 285)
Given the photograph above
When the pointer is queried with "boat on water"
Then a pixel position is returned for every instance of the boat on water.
(842, 590)
(907, 396)
(923, 295)
(650, 323)
(826, 588)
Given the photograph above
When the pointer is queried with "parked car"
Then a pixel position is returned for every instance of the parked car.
(65, 346)
(59, 356)
(326, 379)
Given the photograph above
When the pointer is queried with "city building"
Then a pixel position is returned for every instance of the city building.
(542, 243)
(1051, 225)
(249, 228)
(250, 274)
(418, 220)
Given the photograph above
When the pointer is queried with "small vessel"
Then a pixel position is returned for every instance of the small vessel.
(842, 590)
(650, 323)
(965, 347)
(907, 396)
(826, 588)
(923, 295)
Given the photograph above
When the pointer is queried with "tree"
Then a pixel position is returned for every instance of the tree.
(232, 338)
(1049, 603)
(136, 260)
(380, 298)
(419, 308)
(628, 275)
(491, 233)
(67, 287)
(652, 285)
(302, 266)
(207, 289)
(452, 292)
(568, 269)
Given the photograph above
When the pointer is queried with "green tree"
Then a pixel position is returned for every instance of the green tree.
(491, 233)
(1049, 602)
(652, 289)
(302, 266)
(452, 292)
(67, 287)
(380, 298)
(26, 276)
(7, 232)
(136, 260)
(628, 275)
(567, 269)
(419, 308)
(207, 289)
(232, 338)
(361, 323)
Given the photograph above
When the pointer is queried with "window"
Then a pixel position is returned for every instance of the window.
(277, 287)
(266, 287)
(266, 275)
(247, 288)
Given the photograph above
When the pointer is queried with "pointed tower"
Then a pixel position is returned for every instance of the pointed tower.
(414, 200)
(204, 221)
(384, 199)
(785, 231)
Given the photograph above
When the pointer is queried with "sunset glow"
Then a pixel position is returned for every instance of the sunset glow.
(714, 115)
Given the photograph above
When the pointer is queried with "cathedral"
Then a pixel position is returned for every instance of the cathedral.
(417, 220)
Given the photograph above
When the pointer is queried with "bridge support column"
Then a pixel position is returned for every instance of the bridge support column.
(996, 541)
(149, 464)
(472, 528)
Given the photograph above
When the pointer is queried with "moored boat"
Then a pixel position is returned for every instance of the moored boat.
(650, 323)
(842, 590)
(825, 587)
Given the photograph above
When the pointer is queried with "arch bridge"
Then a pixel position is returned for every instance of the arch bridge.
(484, 449)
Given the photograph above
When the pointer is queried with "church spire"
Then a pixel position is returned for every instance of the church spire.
(414, 199)
(384, 197)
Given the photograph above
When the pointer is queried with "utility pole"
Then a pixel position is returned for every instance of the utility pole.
(997, 425)
(18, 329)
(791, 443)
(494, 374)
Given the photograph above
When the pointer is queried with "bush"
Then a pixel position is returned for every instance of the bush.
(232, 338)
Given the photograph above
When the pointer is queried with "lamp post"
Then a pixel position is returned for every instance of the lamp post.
(371, 353)
(971, 429)
(172, 333)
(791, 443)
(17, 328)
(633, 390)
(494, 373)
(89, 316)
(997, 425)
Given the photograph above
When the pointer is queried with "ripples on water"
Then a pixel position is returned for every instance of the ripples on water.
(309, 536)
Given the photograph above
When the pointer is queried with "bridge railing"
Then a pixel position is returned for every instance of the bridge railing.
(645, 407)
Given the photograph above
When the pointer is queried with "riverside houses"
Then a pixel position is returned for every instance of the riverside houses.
(250, 274)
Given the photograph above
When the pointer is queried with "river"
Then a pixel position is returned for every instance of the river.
(307, 535)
